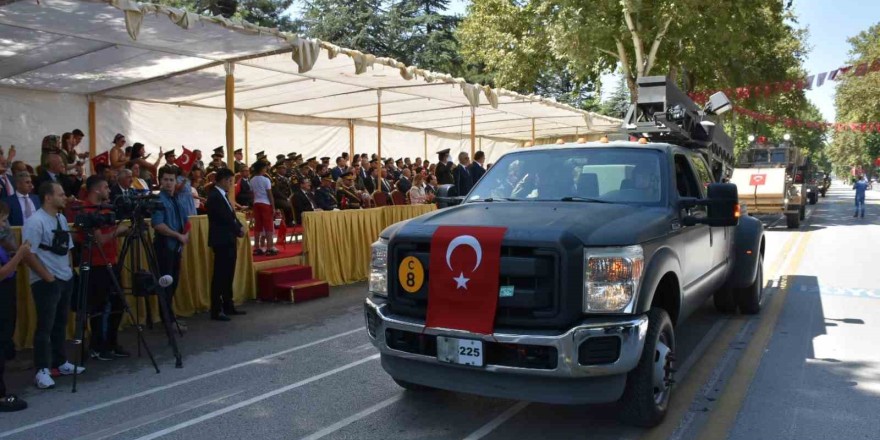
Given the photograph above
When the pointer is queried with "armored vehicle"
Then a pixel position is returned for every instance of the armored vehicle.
(770, 181)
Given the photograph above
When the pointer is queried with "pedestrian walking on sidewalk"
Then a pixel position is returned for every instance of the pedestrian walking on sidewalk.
(860, 186)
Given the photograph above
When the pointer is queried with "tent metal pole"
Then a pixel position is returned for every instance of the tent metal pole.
(247, 160)
(351, 138)
(473, 131)
(93, 132)
(379, 125)
(426, 143)
(230, 122)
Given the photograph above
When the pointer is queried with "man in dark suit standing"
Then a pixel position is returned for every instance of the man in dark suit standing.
(22, 203)
(223, 232)
(477, 168)
(463, 181)
(444, 169)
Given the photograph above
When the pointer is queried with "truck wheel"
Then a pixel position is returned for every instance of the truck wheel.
(409, 386)
(793, 221)
(724, 300)
(646, 398)
(749, 298)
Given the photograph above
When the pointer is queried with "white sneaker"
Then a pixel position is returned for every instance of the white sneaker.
(43, 379)
(66, 369)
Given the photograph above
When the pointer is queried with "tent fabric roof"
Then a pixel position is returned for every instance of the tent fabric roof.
(128, 50)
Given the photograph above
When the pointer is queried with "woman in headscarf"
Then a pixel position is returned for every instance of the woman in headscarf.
(51, 145)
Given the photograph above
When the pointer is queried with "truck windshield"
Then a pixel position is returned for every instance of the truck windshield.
(615, 175)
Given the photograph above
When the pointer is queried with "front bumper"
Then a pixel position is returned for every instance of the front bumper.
(569, 382)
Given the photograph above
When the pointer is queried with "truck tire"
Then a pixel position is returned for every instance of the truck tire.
(414, 387)
(648, 386)
(749, 298)
(724, 300)
(793, 221)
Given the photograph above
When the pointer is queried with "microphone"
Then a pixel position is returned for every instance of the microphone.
(165, 280)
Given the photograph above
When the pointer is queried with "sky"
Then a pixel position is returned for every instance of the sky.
(830, 24)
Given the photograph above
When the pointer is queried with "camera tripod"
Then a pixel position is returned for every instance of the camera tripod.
(134, 238)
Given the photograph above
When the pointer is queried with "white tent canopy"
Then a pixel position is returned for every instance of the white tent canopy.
(158, 75)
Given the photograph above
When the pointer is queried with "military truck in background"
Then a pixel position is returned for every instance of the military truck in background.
(607, 246)
(770, 181)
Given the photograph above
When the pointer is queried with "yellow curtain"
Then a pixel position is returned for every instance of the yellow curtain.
(337, 243)
(193, 290)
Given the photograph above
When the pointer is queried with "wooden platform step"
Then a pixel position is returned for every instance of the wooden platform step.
(269, 280)
(303, 291)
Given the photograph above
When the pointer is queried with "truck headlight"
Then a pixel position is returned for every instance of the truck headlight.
(379, 268)
(611, 279)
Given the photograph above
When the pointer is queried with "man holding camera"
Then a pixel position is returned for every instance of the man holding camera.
(172, 232)
(51, 283)
(105, 305)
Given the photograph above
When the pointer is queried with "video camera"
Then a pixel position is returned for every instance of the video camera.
(139, 205)
(94, 219)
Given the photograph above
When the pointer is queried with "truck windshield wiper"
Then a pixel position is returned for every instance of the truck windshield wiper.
(583, 199)
(495, 199)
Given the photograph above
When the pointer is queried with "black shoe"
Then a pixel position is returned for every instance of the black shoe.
(12, 403)
(237, 312)
(258, 252)
(103, 355)
(120, 352)
(221, 317)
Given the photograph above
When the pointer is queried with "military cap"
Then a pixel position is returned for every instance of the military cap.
(398, 160)
(219, 150)
(280, 157)
(292, 155)
(261, 155)
(216, 155)
(442, 152)
(168, 153)
(239, 151)
(304, 165)
(312, 159)
(348, 175)
(327, 176)
(325, 159)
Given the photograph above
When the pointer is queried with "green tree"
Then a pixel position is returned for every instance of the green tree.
(856, 101)
(268, 13)
(356, 24)
(619, 102)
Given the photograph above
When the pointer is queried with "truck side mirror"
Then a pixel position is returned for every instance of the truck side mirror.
(723, 205)
(447, 195)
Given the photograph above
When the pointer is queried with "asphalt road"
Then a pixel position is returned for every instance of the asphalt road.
(807, 367)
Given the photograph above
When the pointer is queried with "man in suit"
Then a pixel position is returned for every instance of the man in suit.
(54, 172)
(244, 195)
(122, 186)
(23, 203)
(304, 200)
(477, 168)
(223, 232)
(404, 183)
(463, 181)
(444, 169)
(340, 168)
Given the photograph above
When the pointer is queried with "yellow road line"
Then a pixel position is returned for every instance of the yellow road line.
(730, 402)
(685, 392)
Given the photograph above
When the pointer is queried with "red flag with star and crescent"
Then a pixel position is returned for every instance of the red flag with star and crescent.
(465, 264)
(186, 160)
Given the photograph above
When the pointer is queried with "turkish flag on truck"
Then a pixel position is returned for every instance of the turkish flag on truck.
(465, 264)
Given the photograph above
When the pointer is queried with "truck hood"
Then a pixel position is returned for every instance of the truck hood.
(592, 224)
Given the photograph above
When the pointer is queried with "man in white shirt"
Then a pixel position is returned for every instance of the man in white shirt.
(26, 203)
(264, 211)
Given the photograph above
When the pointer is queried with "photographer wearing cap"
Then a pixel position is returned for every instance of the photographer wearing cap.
(51, 280)
(105, 306)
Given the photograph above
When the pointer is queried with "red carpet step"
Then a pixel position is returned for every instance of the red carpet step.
(290, 284)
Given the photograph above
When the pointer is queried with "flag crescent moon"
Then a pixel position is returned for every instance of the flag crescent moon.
(464, 240)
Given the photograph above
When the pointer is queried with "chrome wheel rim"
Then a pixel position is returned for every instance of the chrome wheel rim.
(662, 371)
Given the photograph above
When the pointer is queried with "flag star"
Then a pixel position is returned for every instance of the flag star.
(461, 281)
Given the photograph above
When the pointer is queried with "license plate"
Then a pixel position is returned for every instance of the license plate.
(460, 351)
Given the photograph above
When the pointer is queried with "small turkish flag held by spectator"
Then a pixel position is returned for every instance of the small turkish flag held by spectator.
(758, 179)
(465, 263)
(103, 158)
(186, 160)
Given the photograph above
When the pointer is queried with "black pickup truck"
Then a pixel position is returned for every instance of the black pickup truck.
(609, 246)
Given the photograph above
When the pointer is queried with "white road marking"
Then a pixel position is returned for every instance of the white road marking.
(354, 418)
(161, 415)
(255, 399)
(497, 421)
(174, 384)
